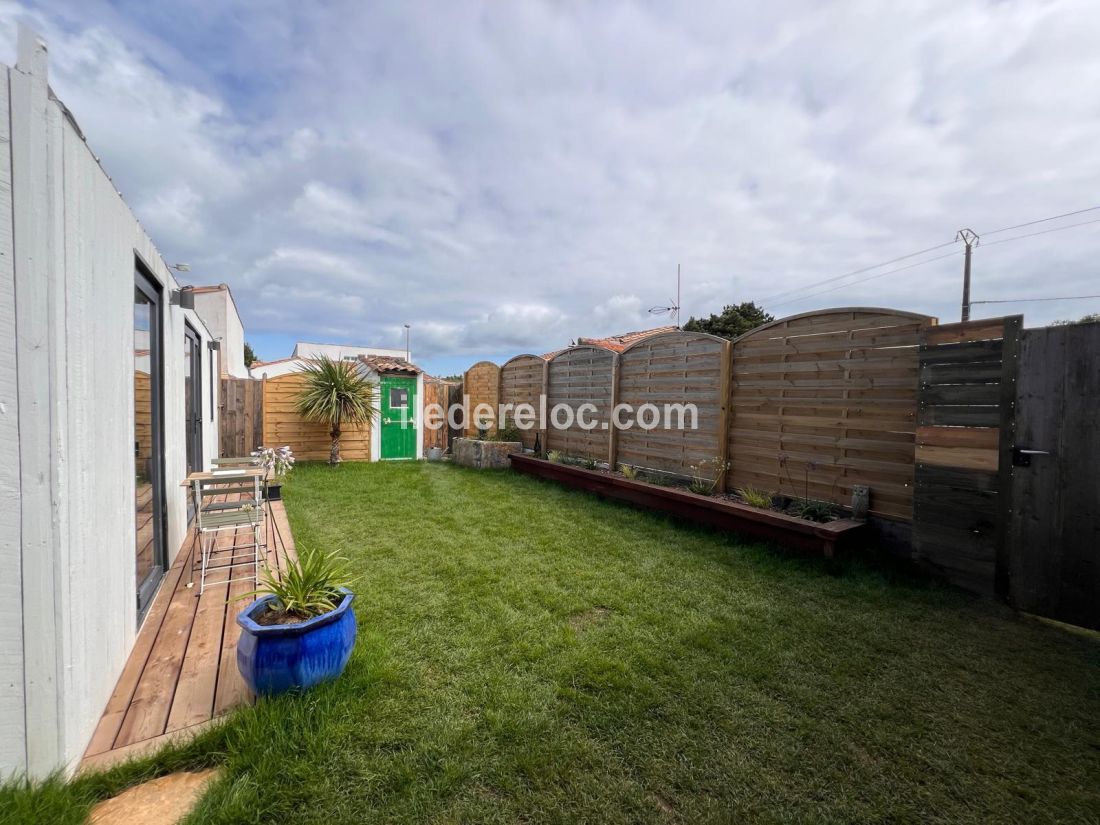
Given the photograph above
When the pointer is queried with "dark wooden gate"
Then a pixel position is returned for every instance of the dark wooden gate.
(240, 416)
(965, 430)
(1054, 529)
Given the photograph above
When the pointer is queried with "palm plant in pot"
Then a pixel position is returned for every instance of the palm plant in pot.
(301, 630)
(336, 393)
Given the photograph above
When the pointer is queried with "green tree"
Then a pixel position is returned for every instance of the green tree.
(735, 320)
(1091, 318)
(336, 393)
(249, 355)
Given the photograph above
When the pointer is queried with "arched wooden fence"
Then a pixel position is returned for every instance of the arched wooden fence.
(481, 385)
(825, 400)
(521, 382)
(805, 406)
(580, 376)
(669, 369)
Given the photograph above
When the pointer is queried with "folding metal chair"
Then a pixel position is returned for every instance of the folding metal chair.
(246, 510)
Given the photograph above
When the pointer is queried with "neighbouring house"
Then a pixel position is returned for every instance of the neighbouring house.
(347, 352)
(305, 352)
(218, 310)
(623, 340)
(107, 401)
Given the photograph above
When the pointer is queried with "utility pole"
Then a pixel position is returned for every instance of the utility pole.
(970, 238)
(407, 341)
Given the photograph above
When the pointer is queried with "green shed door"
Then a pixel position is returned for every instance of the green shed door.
(399, 411)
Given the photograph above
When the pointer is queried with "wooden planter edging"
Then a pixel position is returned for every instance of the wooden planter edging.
(725, 515)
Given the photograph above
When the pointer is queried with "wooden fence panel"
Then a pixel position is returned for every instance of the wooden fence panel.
(481, 385)
(964, 450)
(823, 401)
(522, 381)
(240, 418)
(309, 441)
(675, 368)
(577, 376)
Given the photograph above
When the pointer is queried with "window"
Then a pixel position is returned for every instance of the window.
(399, 397)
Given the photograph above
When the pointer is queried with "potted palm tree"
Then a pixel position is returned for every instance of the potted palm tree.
(336, 393)
(301, 630)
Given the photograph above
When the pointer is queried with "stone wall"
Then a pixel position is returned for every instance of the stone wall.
(484, 455)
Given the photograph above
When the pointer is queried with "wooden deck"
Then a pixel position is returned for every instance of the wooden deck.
(182, 672)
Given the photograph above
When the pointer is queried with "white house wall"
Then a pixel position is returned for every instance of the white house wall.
(13, 744)
(219, 312)
(76, 243)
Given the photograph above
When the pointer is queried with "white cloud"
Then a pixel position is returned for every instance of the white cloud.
(508, 177)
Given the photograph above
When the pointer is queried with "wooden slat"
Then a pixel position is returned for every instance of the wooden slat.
(966, 331)
(108, 728)
(966, 458)
(147, 714)
(985, 438)
(193, 701)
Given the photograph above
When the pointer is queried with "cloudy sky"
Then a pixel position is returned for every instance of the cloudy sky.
(505, 176)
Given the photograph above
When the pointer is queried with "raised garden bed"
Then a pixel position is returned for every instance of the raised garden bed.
(790, 531)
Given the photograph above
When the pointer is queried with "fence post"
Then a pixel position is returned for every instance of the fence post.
(612, 430)
(724, 412)
(1010, 359)
(543, 403)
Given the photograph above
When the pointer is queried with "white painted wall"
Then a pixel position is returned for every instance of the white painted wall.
(305, 349)
(13, 744)
(277, 368)
(76, 243)
(219, 311)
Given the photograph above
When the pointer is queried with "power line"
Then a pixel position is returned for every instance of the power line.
(870, 278)
(1030, 300)
(1041, 220)
(854, 272)
(862, 270)
(1042, 232)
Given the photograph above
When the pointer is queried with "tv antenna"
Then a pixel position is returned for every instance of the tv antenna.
(673, 309)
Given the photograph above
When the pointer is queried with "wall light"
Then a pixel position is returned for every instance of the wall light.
(183, 298)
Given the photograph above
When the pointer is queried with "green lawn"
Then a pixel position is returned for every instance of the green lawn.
(528, 653)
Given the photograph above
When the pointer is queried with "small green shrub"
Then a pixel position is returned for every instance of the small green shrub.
(702, 486)
(310, 585)
(590, 463)
(628, 471)
(555, 456)
(755, 497)
(707, 475)
(820, 511)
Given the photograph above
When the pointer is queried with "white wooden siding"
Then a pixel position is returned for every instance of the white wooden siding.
(13, 745)
(76, 242)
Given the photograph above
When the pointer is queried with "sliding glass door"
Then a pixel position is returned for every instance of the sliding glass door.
(148, 440)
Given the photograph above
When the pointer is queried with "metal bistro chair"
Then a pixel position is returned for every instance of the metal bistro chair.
(215, 516)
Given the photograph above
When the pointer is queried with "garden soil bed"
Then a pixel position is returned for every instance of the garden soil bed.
(825, 538)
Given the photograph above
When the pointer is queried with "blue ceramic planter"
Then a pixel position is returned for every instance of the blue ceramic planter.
(276, 658)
